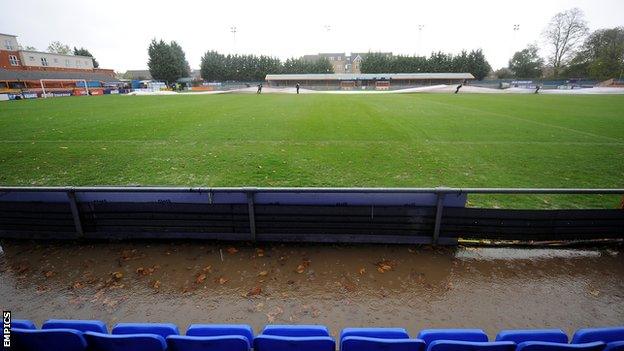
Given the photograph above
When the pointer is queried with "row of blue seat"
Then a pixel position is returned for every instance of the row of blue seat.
(81, 335)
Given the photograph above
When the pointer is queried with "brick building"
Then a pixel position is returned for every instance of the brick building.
(24, 69)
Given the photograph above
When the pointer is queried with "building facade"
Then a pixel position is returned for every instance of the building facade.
(25, 69)
(341, 62)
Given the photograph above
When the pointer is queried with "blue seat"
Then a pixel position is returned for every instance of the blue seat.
(382, 333)
(208, 343)
(80, 325)
(134, 342)
(474, 335)
(162, 329)
(286, 343)
(522, 335)
(554, 346)
(295, 330)
(455, 345)
(598, 334)
(23, 324)
(361, 343)
(221, 330)
(615, 346)
(48, 340)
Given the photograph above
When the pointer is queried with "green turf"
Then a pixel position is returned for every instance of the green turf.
(415, 140)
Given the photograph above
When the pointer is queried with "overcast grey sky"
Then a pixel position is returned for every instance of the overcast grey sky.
(118, 32)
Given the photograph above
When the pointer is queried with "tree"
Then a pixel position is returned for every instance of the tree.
(85, 52)
(30, 48)
(601, 56)
(563, 34)
(167, 62)
(180, 59)
(478, 65)
(59, 48)
(162, 62)
(503, 73)
(527, 63)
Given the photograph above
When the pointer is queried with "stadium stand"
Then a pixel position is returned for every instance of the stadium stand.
(237, 337)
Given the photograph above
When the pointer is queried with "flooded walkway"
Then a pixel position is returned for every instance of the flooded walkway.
(339, 286)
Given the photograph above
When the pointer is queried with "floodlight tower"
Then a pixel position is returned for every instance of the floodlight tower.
(327, 28)
(420, 28)
(233, 30)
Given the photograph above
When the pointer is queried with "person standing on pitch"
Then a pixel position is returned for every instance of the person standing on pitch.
(297, 86)
(459, 87)
(537, 88)
(259, 89)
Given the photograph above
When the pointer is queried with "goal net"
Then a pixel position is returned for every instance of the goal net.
(57, 84)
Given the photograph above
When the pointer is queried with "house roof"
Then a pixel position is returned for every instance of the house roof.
(12, 75)
(369, 76)
(8, 35)
(138, 74)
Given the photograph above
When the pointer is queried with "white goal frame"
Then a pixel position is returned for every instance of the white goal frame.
(45, 96)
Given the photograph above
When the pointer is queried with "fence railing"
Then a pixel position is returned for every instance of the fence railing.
(374, 215)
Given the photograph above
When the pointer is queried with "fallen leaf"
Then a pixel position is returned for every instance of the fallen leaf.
(300, 269)
(232, 250)
(255, 291)
(260, 252)
(117, 275)
(222, 280)
(263, 273)
(200, 278)
(362, 271)
(156, 284)
(49, 274)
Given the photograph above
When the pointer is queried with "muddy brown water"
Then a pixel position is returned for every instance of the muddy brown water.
(335, 285)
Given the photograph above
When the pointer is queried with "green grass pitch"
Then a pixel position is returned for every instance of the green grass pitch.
(412, 140)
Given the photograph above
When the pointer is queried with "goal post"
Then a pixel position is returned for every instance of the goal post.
(45, 95)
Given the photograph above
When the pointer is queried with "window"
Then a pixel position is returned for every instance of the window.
(13, 60)
(67, 63)
(44, 61)
(78, 63)
(31, 58)
(8, 45)
(86, 63)
(55, 60)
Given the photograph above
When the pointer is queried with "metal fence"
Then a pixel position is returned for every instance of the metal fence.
(372, 215)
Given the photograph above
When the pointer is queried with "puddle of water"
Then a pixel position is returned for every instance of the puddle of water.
(335, 285)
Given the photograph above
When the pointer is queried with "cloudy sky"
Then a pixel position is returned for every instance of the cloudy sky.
(118, 32)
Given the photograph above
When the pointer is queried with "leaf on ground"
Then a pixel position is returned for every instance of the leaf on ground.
(221, 280)
(385, 266)
(156, 284)
(260, 252)
(232, 250)
(256, 290)
(263, 273)
(362, 271)
(200, 278)
(49, 274)
(117, 275)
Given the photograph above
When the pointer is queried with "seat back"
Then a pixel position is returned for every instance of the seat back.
(81, 325)
(48, 340)
(455, 345)
(553, 346)
(382, 333)
(615, 346)
(162, 329)
(598, 334)
(286, 343)
(23, 324)
(474, 335)
(361, 343)
(134, 342)
(207, 343)
(295, 330)
(221, 330)
(522, 335)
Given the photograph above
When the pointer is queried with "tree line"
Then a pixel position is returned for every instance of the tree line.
(219, 67)
(573, 52)
(471, 62)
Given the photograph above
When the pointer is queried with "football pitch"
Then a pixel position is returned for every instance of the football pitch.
(403, 140)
